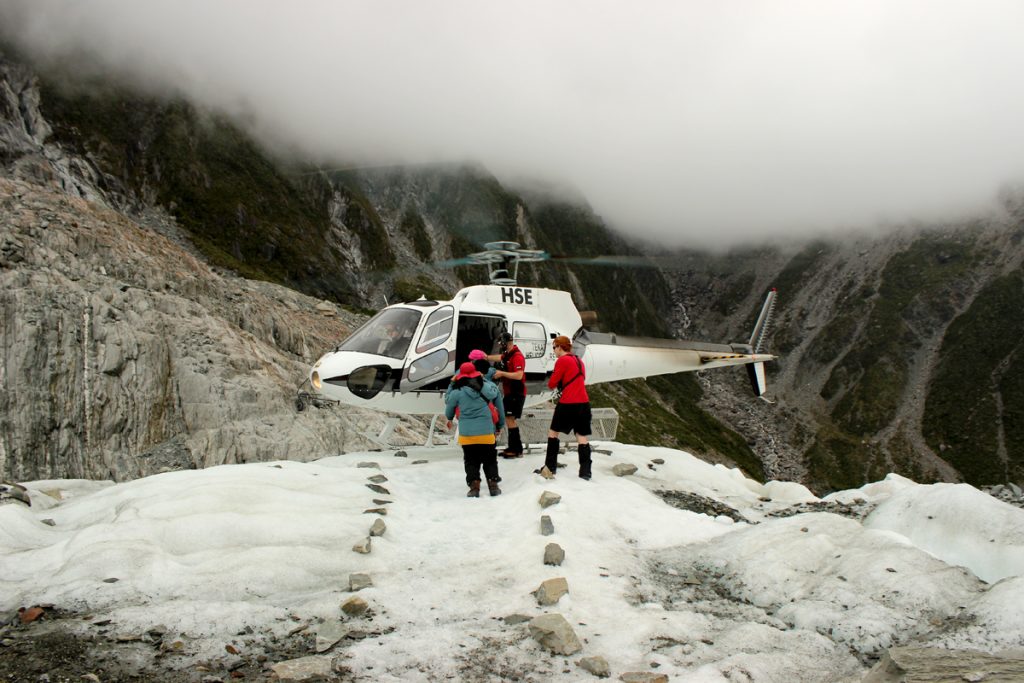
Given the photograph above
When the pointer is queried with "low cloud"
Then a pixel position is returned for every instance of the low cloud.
(686, 122)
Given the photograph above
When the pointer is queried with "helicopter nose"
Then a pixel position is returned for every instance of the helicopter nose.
(340, 375)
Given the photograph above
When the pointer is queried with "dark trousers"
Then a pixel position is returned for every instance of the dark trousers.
(475, 455)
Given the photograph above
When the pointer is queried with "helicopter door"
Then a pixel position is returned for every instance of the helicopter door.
(434, 354)
(531, 339)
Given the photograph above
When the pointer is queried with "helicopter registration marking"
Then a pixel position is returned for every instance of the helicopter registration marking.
(517, 295)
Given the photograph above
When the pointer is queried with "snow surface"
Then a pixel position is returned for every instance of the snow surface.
(267, 546)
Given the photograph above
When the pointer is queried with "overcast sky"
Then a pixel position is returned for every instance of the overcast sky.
(688, 122)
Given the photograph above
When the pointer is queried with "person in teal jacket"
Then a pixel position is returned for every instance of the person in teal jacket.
(471, 395)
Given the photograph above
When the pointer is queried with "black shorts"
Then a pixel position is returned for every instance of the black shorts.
(514, 405)
(571, 417)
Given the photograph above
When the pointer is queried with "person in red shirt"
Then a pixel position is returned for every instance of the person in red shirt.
(572, 414)
(512, 373)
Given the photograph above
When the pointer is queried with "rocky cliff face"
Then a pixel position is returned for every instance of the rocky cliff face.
(123, 354)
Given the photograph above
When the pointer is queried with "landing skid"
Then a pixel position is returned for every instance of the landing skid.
(435, 439)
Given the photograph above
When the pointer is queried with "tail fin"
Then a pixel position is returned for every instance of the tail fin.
(755, 371)
(763, 321)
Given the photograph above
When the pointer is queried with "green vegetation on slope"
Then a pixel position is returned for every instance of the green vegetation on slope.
(977, 391)
(870, 379)
(663, 411)
(240, 209)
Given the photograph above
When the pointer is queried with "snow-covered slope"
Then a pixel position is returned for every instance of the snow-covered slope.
(246, 555)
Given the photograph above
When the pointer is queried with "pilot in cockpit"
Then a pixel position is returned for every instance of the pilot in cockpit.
(395, 340)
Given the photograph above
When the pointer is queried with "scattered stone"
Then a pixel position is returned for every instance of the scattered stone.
(312, 668)
(354, 606)
(27, 616)
(376, 488)
(623, 469)
(91, 677)
(381, 501)
(325, 309)
(643, 677)
(546, 526)
(378, 528)
(401, 454)
(547, 499)
(15, 492)
(419, 462)
(553, 554)
(378, 479)
(596, 665)
(514, 619)
(298, 629)
(357, 582)
(555, 634)
(551, 591)
(231, 649)
(1015, 489)
(48, 522)
(175, 646)
(363, 546)
(112, 579)
(328, 635)
(375, 511)
(658, 461)
(369, 464)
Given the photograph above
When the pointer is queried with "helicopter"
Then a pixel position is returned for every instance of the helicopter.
(402, 359)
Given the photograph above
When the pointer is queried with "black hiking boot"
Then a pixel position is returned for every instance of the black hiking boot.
(492, 486)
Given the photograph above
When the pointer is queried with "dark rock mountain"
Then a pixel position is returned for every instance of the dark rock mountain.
(902, 352)
(898, 353)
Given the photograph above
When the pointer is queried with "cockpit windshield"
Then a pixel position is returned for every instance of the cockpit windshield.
(386, 334)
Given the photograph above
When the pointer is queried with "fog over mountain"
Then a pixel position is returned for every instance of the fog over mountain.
(689, 123)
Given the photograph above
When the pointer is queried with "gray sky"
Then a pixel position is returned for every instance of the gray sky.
(687, 122)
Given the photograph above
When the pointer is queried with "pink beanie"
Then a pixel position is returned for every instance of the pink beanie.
(477, 354)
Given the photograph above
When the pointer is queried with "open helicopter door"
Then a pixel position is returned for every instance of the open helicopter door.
(477, 331)
(533, 342)
(433, 357)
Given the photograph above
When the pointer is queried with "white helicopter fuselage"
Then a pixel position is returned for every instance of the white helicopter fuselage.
(402, 359)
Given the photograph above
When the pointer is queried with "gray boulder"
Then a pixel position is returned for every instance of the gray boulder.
(555, 634)
(378, 528)
(551, 591)
(312, 668)
(357, 582)
(548, 498)
(623, 469)
(546, 526)
(596, 665)
(553, 554)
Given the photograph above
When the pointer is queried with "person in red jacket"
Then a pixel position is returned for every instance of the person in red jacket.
(512, 373)
(572, 414)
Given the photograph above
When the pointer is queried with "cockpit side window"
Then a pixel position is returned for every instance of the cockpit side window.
(437, 329)
(388, 333)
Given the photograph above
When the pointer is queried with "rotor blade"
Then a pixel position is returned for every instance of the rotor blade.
(609, 260)
(454, 262)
